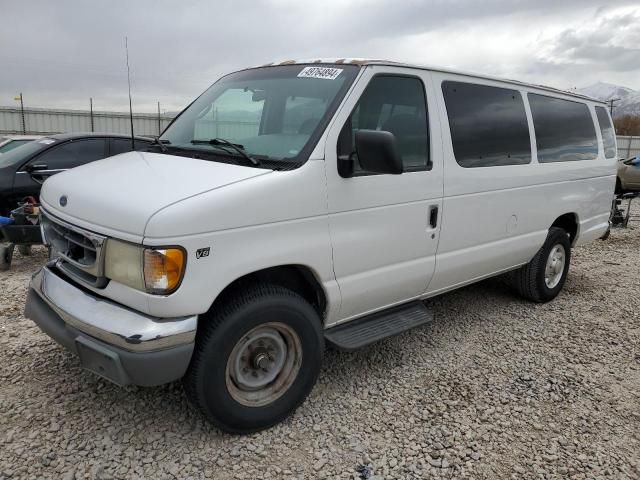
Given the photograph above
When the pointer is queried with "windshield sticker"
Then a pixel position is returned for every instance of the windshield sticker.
(326, 73)
(47, 141)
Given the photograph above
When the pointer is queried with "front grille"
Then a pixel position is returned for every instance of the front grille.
(79, 253)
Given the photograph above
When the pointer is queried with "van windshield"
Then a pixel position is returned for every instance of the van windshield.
(274, 114)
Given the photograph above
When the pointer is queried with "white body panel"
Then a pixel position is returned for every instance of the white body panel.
(119, 195)
(496, 218)
(366, 240)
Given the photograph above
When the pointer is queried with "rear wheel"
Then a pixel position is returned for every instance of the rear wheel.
(543, 277)
(256, 359)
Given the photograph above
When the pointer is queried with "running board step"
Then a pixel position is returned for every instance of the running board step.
(364, 331)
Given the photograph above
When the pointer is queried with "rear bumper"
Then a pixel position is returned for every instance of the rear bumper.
(119, 344)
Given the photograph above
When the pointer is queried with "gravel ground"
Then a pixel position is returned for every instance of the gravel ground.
(495, 388)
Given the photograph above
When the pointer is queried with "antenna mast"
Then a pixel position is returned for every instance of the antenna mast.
(126, 48)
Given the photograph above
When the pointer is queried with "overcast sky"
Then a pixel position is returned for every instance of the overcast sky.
(60, 53)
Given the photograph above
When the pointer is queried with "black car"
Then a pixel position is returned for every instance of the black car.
(23, 169)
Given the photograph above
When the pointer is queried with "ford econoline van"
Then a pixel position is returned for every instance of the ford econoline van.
(301, 204)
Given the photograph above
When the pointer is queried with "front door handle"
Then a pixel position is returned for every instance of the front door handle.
(433, 216)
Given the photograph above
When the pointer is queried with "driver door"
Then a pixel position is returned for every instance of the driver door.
(385, 228)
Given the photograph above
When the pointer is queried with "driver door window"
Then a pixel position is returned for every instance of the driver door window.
(71, 154)
(395, 104)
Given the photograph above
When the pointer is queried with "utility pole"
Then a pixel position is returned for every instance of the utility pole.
(91, 112)
(159, 121)
(24, 124)
(611, 102)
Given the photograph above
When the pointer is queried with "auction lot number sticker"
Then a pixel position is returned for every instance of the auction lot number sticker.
(328, 73)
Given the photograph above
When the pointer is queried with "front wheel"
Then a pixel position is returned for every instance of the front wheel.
(256, 359)
(543, 277)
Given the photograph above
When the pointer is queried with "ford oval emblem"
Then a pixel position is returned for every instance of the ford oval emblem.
(63, 201)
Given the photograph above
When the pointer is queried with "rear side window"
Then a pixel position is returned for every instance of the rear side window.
(564, 129)
(488, 125)
(607, 132)
(395, 104)
(72, 154)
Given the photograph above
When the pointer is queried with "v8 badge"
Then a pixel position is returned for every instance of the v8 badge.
(202, 252)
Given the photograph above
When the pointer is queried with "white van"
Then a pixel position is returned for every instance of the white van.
(309, 203)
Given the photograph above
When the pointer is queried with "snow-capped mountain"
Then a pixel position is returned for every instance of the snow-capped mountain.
(629, 99)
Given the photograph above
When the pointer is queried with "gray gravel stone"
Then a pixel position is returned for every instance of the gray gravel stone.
(495, 388)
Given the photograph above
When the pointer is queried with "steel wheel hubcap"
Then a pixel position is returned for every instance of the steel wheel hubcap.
(555, 266)
(263, 364)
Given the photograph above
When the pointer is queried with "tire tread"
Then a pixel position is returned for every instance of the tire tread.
(525, 279)
(228, 304)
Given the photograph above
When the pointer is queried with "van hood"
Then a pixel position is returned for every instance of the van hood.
(118, 195)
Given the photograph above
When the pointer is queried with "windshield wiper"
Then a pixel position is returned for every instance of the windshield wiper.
(161, 144)
(221, 142)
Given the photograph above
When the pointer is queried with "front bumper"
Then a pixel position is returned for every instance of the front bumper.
(115, 342)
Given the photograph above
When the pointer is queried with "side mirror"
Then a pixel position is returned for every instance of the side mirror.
(36, 167)
(378, 152)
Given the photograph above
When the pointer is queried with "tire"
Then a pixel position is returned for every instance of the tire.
(25, 250)
(216, 382)
(530, 280)
(6, 255)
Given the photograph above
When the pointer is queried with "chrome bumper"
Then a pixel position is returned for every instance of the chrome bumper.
(109, 322)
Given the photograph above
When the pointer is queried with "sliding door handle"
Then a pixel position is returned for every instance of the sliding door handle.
(433, 216)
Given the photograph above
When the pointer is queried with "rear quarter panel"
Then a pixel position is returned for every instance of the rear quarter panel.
(496, 218)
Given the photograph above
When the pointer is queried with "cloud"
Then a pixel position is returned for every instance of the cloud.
(611, 42)
(602, 46)
(61, 53)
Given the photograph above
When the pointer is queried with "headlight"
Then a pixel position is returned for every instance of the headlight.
(123, 263)
(154, 270)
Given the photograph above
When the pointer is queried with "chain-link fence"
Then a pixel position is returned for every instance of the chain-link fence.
(628, 146)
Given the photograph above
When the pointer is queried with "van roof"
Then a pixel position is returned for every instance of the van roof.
(364, 62)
